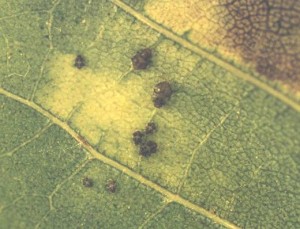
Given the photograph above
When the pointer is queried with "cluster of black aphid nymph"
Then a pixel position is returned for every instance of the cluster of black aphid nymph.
(140, 138)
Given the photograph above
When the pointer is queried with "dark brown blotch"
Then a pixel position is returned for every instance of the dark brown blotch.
(265, 33)
(142, 59)
(79, 61)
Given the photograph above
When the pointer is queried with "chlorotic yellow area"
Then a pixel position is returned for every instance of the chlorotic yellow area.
(192, 16)
(98, 105)
(105, 111)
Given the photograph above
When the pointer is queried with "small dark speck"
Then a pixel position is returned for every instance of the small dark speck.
(79, 62)
(87, 182)
(111, 186)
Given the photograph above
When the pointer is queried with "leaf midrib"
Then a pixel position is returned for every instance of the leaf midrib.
(227, 66)
(96, 155)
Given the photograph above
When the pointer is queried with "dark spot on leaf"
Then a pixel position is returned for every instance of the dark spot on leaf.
(161, 94)
(142, 59)
(138, 137)
(148, 148)
(87, 182)
(111, 186)
(150, 128)
(79, 62)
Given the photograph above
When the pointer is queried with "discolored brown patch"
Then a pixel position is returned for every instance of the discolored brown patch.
(267, 34)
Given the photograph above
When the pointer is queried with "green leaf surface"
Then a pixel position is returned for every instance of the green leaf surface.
(228, 144)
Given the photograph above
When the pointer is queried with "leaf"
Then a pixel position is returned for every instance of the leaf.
(228, 143)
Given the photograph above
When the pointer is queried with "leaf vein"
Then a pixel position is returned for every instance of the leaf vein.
(34, 137)
(154, 214)
(201, 143)
(49, 26)
(58, 186)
